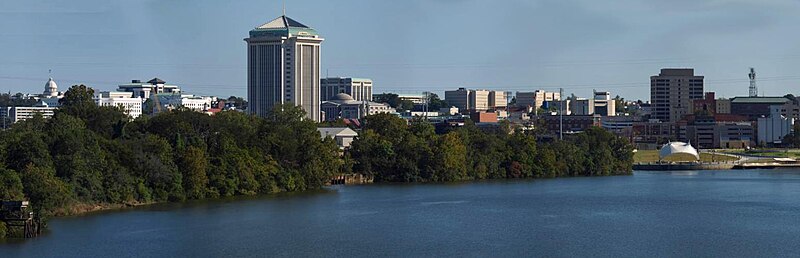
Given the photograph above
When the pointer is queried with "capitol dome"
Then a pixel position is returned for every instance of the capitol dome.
(342, 97)
(50, 88)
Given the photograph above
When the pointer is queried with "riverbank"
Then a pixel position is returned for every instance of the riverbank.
(647, 214)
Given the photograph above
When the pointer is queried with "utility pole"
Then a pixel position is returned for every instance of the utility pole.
(561, 114)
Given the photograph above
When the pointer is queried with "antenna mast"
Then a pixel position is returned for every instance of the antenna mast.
(753, 88)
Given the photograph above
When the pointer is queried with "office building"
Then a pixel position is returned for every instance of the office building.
(756, 107)
(672, 92)
(10, 115)
(145, 89)
(604, 105)
(283, 67)
(537, 98)
(479, 100)
(476, 100)
(176, 101)
(358, 88)
(458, 98)
(498, 99)
(125, 100)
(723, 106)
(581, 107)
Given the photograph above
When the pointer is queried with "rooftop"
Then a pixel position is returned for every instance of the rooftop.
(759, 100)
(283, 26)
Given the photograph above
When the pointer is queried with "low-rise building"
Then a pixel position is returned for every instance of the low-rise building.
(10, 115)
(716, 131)
(131, 105)
(755, 107)
(343, 136)
(145, 89)
(175, 101)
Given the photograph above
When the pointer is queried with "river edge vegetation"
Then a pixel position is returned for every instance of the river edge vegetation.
(87, 157)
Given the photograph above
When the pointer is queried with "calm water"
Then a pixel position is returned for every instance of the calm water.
(705, 213)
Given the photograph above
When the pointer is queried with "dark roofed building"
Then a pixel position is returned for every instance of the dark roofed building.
(755, 107)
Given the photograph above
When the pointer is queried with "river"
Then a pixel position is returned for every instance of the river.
(703, 213)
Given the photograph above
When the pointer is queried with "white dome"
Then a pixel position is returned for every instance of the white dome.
(673, 148)
(51, 88)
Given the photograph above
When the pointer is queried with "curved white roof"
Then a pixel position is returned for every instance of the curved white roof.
(50, 88)
(673, 148)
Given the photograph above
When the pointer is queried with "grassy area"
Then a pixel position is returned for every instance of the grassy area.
(652, 156)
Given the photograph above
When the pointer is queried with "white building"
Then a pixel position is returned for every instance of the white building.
(15, 114)
(283, 67)
(476, 100)
(175, 101)
(343, 136)
(604, 105)
(51, 96)
(772, 129)
(358, 88)
(144, 90)
(131, 105)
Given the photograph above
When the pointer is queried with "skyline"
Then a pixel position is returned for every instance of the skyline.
(409, 47)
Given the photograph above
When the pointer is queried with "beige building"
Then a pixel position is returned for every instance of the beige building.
(498, 99)
(723, 106)
(672, 92)
(479, 100)
(476, 100)
(283, 67)
(358, 88)
(537, 98)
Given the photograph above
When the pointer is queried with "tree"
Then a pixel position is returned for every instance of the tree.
(45, 191)
(451, 157)
(10, 185)
(434, 103)
(389, 98)
(193, 166)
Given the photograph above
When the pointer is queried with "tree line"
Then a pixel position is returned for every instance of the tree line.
(392, 151)
(87, 155)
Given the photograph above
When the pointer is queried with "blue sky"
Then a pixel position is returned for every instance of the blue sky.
(410, 46)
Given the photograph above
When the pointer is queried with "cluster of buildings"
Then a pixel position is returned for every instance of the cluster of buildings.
(283, 67)
(131, 98)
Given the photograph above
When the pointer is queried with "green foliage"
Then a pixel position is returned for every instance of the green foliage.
(88, 155)
(395, 152)
(10, 185)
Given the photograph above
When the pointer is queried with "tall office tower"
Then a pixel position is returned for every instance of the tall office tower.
(283, 67)
(358, 88)
(672, 92)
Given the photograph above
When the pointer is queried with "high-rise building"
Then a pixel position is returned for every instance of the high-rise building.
(283, 67)
(358, 88)
(672, 92)
(475, 100)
